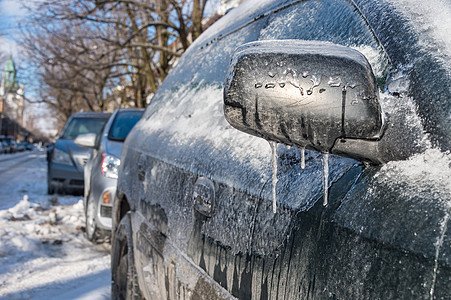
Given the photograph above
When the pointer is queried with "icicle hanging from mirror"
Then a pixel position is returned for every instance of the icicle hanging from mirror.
(274, 174)
(325, 161)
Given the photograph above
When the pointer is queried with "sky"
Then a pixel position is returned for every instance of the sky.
(11, 16)
(12, 13)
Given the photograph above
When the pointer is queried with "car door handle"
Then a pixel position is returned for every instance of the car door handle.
(204, 196)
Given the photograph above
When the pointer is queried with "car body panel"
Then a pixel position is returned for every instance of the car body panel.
(114, 147)
(65, 176)
(168, 281)
(97, 186)
(381, 235)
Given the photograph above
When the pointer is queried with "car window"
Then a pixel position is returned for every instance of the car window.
(123, 123)
(335, 21)
(203, 64)
(79, 126)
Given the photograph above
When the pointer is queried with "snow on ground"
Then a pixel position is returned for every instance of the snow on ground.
(44, 253)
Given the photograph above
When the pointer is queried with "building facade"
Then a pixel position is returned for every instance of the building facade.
(12, 102)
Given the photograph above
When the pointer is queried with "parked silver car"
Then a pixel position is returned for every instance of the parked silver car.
(66, 159)
(100, 173)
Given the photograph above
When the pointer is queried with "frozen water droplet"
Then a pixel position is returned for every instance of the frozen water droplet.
(258, 85)
(305, 74)
(334, 81)
(270, 86)
(295, 85)
(290, 71)
(282, 84)
(325, 160)
(316, 80)
(274, 174)
(301, 91)
(354, 102)
(302, 158)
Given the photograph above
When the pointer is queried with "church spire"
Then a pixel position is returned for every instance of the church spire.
(10, 76)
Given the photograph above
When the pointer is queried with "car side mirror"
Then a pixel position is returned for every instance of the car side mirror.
(87, 140)
(309, 94)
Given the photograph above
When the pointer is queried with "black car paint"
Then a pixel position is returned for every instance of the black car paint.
(361, 246)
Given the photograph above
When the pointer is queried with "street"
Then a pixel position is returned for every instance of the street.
(44, 253)
(13, 168)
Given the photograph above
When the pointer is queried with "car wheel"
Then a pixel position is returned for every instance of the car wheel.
(50, 187)
(124, 283)
(93, 233)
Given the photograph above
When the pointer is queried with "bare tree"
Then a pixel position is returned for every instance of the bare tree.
(97, 54)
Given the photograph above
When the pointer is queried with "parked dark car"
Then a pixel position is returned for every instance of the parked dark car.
(100, 172)
(4, 145)
(66, 160)
(350, 197)
(9, 144)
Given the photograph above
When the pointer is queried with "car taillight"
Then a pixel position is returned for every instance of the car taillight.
(110, 165)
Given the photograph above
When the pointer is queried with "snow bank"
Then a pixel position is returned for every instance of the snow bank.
(44, 253)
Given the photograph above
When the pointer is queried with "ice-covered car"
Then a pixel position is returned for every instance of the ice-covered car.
(350, 197)
(100, 172)
(66, 160)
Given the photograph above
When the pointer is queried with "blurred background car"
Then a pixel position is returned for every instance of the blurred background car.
(100, 173)
(4, 148)
(206, 211)
(21, 146)
(66, 160)
(8, 145)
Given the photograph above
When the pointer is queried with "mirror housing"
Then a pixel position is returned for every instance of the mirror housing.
(87, 140)
(308, 94)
